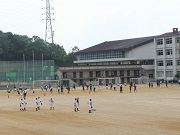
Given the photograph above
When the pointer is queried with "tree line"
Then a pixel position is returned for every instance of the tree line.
(13, 46)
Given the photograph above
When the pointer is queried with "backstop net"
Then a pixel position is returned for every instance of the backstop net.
(24, 72)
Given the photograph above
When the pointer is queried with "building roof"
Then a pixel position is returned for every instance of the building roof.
(118, 45)
(169, 34)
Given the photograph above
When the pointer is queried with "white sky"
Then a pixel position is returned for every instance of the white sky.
(85, 23)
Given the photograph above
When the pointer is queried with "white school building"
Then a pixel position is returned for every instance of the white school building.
(155, 57)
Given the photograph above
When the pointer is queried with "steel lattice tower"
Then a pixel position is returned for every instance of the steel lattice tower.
(49, 33)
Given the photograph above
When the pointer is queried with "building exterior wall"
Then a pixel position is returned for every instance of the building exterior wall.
(158, 59)
(166, 57)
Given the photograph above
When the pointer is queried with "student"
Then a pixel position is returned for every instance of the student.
(135, 88)
(25, 92)
(51, 89)
(74, 86)
(77, 100)
(25, 103)
(90, 105)
(107, 86)
(58, 89)
(130, 88)
(62, 89)
(39, 103)
(121, 88)
(51, 104)
(36, 104)
(94, 88)
(21, 105)
(75, 105)
(33, 92)
(83, 87)
(68, 89)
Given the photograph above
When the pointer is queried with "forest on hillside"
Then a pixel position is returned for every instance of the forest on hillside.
(14, 46)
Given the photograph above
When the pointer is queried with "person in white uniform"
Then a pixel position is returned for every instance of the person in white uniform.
(21, 105)
(39, 103)
(25, 103)
(51, 104)
(75, 105)
(90, 105)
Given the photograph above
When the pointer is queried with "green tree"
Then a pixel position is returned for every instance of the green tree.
(71, 56)
(13, 46)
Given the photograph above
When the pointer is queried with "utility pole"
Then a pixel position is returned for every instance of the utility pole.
(49, 33)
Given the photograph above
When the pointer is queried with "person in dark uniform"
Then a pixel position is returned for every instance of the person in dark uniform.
(130, 88)
(121, 88)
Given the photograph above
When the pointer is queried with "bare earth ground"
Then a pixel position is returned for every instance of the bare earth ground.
(148, 112)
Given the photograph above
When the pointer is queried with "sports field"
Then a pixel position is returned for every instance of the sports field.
(150, 111)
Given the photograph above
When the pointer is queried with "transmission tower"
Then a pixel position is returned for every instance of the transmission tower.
(49, 33)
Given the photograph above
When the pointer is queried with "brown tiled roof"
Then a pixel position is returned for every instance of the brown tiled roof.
(118, 45)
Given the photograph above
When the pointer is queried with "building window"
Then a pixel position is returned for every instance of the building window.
(150, 75)
(80, 74)
(168, 40)
(122, 73)
(133, 62)
(177, 39)
(64, 74)
(106, 73)
(102, 55)
(159, 41)
(98, 74)
(169, 63)
(74, 74)
(114, 73)
(178, 63)
(169, 52)
(160, 74)
(169, 74)
(90, 73)
(128, 72)
(159, 52)
(160, 63)
(136, 72)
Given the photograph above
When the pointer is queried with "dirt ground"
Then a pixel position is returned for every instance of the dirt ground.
(149, 111)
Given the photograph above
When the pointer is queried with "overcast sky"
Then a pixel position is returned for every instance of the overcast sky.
(85, 23)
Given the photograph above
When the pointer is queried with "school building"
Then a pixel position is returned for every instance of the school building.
(155, 57)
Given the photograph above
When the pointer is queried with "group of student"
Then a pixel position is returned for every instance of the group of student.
(38, 102)
(76, 105)
(130, 87)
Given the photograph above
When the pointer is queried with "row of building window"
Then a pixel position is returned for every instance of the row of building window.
(168, 52)
(103, 55)
(168, 74)
(167, 41)
(168, 63)
(142, 62)
(134, 73)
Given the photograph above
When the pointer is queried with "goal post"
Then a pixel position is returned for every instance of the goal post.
(108, 80)
(140, 80)
(38, 83)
